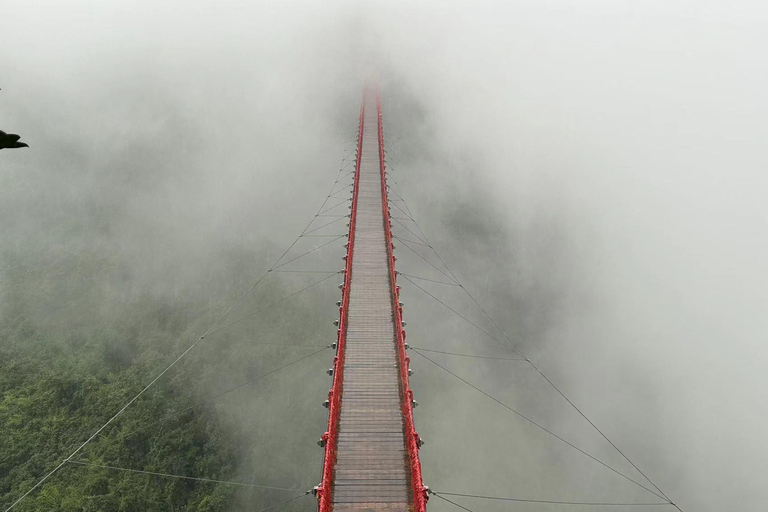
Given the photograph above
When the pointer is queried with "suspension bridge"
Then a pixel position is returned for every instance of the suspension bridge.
(371, 446)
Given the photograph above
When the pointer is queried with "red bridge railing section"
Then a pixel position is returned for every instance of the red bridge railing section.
(412, 439)
(330, 438)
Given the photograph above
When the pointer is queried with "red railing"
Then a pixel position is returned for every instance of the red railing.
(330, 437)
(412, 440)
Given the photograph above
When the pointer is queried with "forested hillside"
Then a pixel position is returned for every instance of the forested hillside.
(76, 347)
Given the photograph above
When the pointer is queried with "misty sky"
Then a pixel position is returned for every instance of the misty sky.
(595, 171)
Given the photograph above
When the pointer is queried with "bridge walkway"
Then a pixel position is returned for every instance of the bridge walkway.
(372, 461)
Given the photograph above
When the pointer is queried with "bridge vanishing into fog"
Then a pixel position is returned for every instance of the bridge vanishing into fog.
(371, 446)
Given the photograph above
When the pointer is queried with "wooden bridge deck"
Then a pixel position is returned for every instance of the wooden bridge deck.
(371, 471)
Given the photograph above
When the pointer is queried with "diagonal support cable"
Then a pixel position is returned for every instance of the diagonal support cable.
(426, 279)
(452, 502)
(540, 426)
(334, 206)
(552, 502)
(283, 299)
(459, 315)
(321, 227)
(468, 355)
(394, 203)
(225, 392)
(182, 477)
(305, 254)
(410, 241)
(411, 231)
(285, 502)
(427, 261)
(520, 352)
(306, 271)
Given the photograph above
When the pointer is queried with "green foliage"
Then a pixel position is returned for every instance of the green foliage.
(88, 318)
(58, 387)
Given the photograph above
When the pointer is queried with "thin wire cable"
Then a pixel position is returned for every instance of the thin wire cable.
(552, 502)
(307, 493)
(426, 279)
(598, 430)
(394, 190)
(389, 175)
(335, 206)
(272, 304)
(410, 241)
(219, 395)
(321, 227)
(418, 349)
(300, 345)
(400, 208)
(306, 271)
(410, 231)
(342, 189)
(426, 260)
(559, 392)
(458, 314)
(306, 253)
(452, 502)
(170, 475)
(520, 352)
(542, 427)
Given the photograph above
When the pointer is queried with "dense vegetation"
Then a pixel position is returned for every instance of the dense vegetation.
(84, 331)
(58, 387)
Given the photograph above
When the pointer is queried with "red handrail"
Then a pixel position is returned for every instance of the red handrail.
(412, 439)
(330, 437)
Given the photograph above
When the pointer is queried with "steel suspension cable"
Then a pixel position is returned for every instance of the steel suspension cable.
(519, 351)
(553, 502)
(323, 226)
(459, 314)
(394, 203)
(468, 355)
(411, 232)
(283, 299)
(225, 392)
(540, 426)
(285, 502)
(453, 502)
(334, 206)
(409, 241)
(426, 279)
(426, 260)
(306, 271)
(182, 477)
(306, 253)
